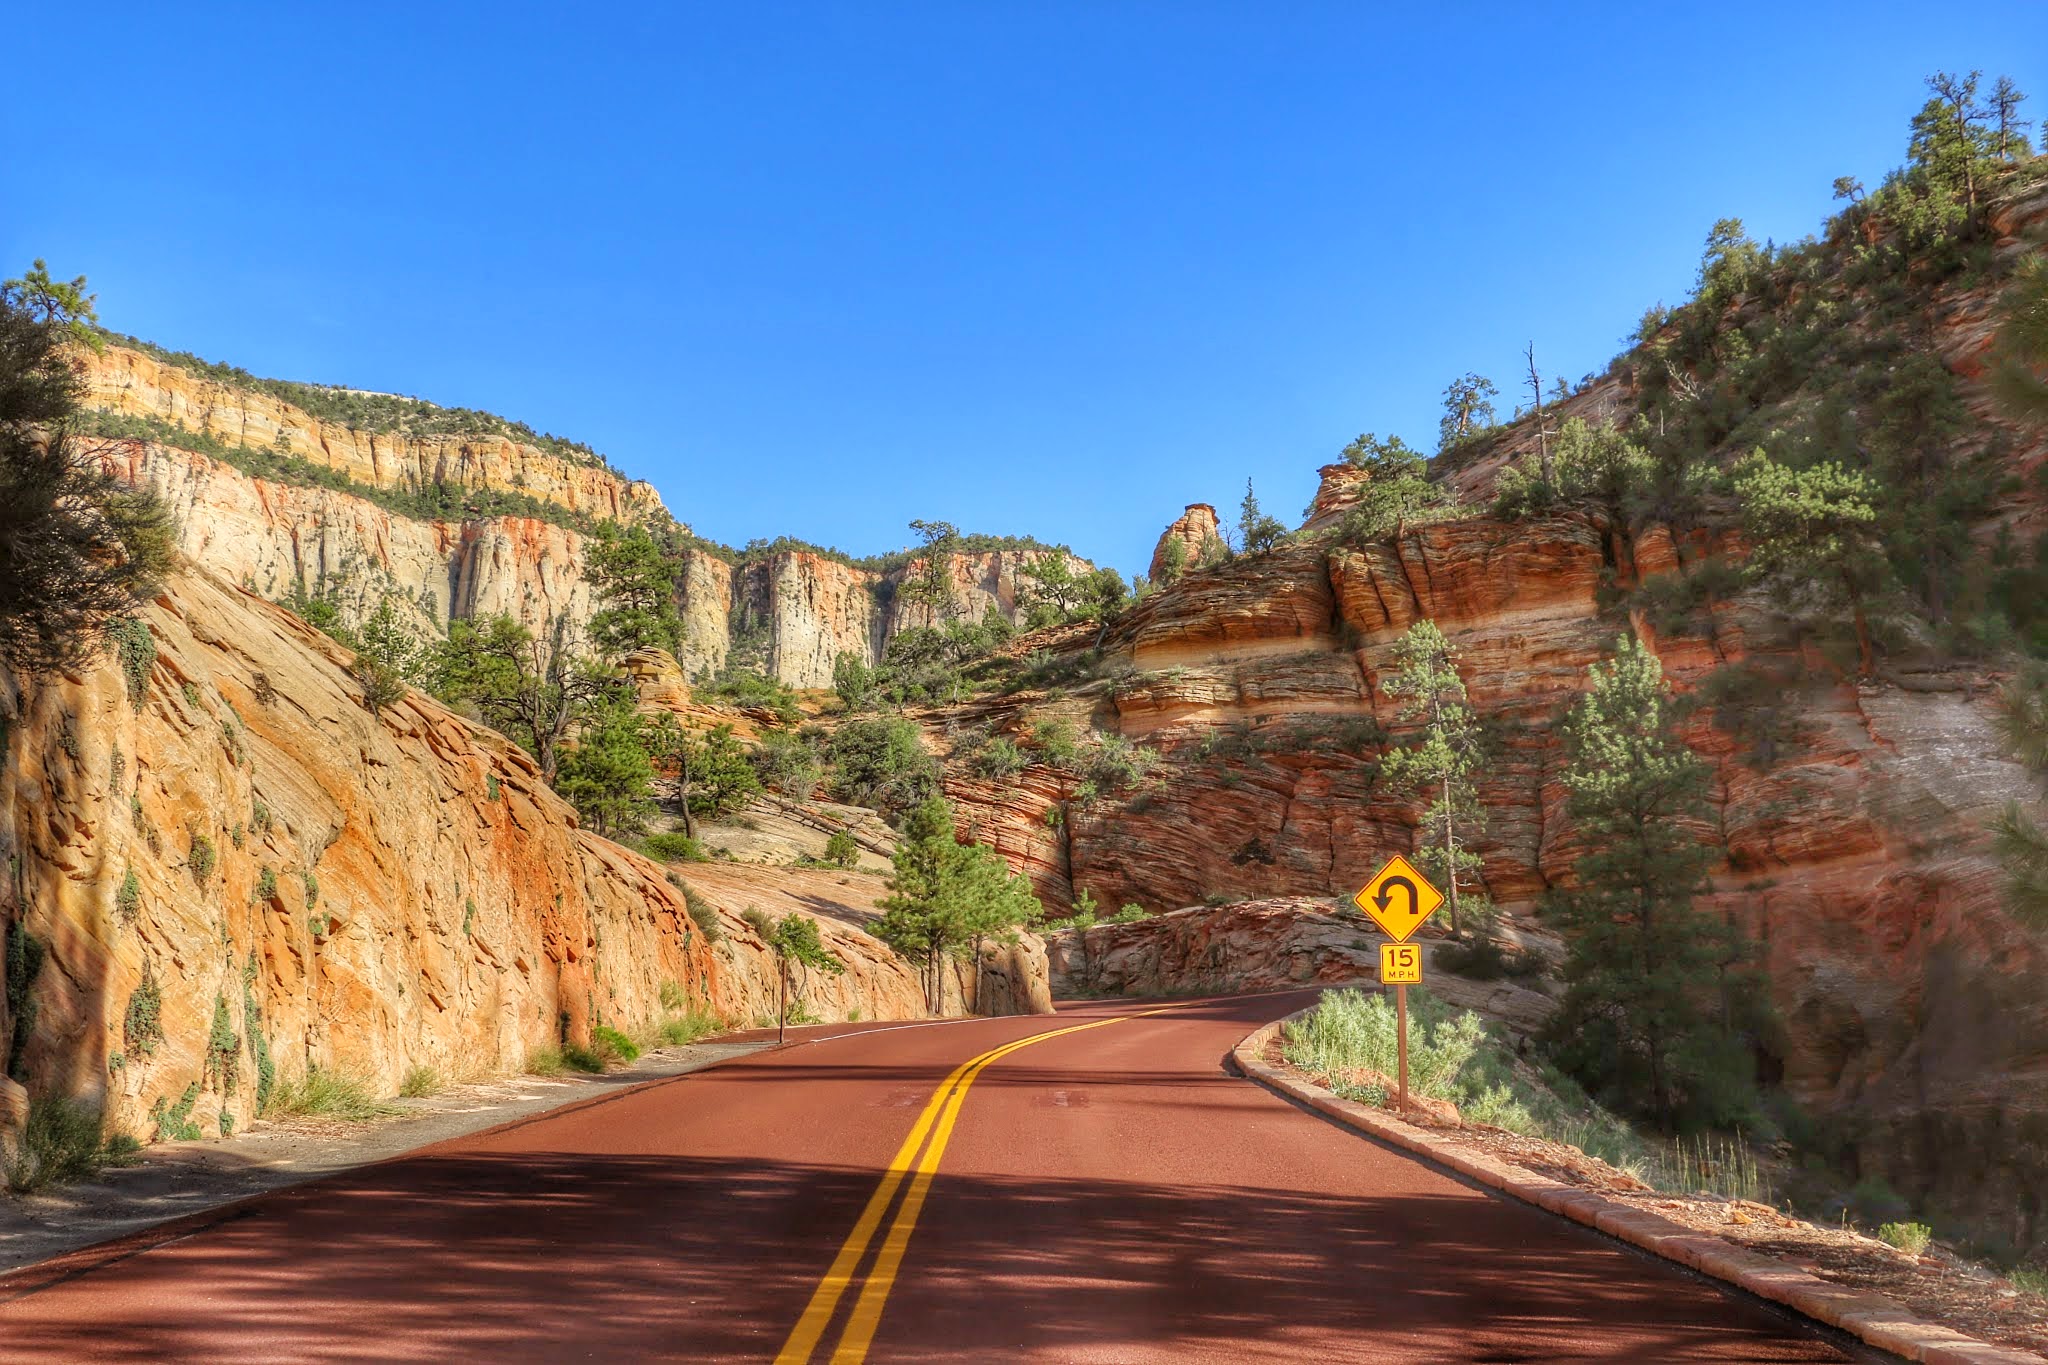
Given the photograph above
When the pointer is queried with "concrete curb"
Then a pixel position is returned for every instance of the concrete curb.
(1870, 1317)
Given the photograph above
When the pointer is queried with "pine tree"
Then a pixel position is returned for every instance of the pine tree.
(1812, 528)
(713, 774)
(1655, 1010)
(1173, 561)
(1468, 409)
(528, 685)
(78, 551)
(635, 580)
(946, 896)
(2017, 838)
(388, 658)
(2020, 346)
(798, 950)
(1441, 760)
(930, 581)
(607, 775)
(1256, 532)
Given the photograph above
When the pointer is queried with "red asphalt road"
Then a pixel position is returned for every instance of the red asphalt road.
(1111, 1195)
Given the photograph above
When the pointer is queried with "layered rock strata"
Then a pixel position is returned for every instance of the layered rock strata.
(1850, 814)
(231, 872)
(790, 613)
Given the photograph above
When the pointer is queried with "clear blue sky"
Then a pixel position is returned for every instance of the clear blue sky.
(1031, 267)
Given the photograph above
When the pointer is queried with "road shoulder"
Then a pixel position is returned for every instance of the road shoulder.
(1870, 1317)
(176, 1180)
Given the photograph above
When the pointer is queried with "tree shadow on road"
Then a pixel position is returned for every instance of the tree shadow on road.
(552, 1256)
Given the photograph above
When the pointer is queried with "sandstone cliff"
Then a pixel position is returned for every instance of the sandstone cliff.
(124, 380)
(235, 871)
(789, 612)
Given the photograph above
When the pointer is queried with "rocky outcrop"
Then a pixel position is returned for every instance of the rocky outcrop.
(1193, 531)
(233, 871)
(1339, 486)
(658, 682)
(1268, 945)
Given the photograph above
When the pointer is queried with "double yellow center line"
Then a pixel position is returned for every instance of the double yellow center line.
(929, 1136)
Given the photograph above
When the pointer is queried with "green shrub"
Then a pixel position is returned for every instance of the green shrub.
(252, 1035)
(1000, 758)
(204, 858)
(136, 648)
(690, 1025)
(468, 915)
(756, 691)
(1451, 1056)
(553, 1061)
(223, 1046)
(674, 848)
(174, 1121)
(841, 850)
(576, 1058)
(1873, 1200)
(1054, 739)
(312, 889)
(880, 762)
(326, 1093)
(1117, 763)
(421, 1081)
(787, 762)
(2030, 1280)
(1352, 1029)
(142, 1027)
(266, 884)
(1911, 1238)
(1130, 914)
(63, 1142)
(609, 1043)
(128, 900)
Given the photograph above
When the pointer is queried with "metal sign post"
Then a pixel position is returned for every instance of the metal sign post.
(1401, 1022)
(1400, 961)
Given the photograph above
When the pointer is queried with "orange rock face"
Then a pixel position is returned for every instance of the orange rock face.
(230, 859)
(1851, 817)
(1193, 530)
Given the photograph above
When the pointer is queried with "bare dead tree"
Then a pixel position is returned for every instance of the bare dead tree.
(1542, 432)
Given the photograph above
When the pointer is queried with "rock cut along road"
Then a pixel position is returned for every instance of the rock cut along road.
(1089, 1187)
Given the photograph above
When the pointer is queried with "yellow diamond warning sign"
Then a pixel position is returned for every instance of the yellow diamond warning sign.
(1398, 898)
